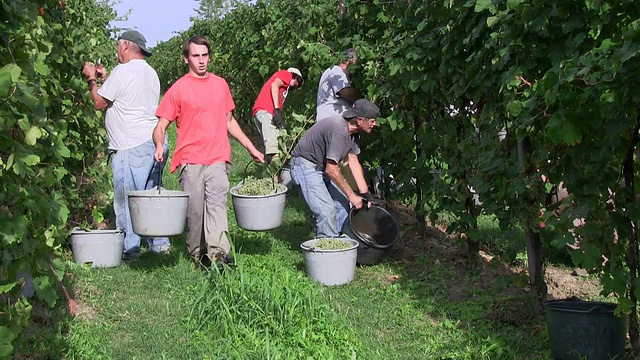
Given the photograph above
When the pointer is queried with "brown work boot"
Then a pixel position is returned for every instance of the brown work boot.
(201, 262)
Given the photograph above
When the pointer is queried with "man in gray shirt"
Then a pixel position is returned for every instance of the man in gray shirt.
(314, 165)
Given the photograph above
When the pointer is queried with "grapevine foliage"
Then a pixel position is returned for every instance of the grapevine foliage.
(50, 133)
(561, 81)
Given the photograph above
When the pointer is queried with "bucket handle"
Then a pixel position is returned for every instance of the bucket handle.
(159, 181)
(244, 177)
(597, 309)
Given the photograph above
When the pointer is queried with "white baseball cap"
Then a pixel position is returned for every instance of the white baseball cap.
(295, 71)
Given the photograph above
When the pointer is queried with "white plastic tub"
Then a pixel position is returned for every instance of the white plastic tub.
(330, 267)
(101, 248)
(158, 213)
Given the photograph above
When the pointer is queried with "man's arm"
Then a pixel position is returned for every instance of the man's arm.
(158, 138)
(234, 129)
(333, 171)
(358, 173)
(99, 103)
(275, 92)
(89, 73)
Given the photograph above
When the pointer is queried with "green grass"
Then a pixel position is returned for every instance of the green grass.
(160, 307)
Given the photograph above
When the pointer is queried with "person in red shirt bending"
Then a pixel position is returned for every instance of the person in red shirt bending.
(267, 110)
(201, 105)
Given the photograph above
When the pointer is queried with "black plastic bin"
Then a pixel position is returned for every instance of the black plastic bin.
(376, 231)
(585, 330)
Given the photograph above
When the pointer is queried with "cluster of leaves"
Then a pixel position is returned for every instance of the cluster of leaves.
(49, 133)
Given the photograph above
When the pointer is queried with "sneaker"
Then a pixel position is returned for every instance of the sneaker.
(162, 249)
(130, 256)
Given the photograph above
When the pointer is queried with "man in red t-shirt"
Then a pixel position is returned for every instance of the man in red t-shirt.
(201, 105)
(267, 110)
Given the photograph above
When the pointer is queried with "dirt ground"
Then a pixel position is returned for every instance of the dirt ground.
(449, 251)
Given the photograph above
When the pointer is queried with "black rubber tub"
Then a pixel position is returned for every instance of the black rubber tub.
(374, 229)
(585, 330)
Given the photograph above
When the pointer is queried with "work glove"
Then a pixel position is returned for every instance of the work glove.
(278, 119)
(367, 196)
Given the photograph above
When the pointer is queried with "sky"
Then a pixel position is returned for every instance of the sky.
(157, 20)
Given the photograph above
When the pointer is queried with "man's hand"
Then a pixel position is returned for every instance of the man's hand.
(356, 201)
(159, 154)
(278, 119)
(256, 155)
(89, 71)
(101, 72)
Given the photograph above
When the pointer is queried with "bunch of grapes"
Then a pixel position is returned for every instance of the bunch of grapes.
(331, 244)
(257, 187)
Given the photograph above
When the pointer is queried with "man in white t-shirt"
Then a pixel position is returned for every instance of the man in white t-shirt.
(130, 97)
(336, 93)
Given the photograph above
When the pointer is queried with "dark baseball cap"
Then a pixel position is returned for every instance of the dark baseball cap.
(349, 54)
(364, 108)
(137, 38)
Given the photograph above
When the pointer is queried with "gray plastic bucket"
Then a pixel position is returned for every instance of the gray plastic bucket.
(374, 229)
(330, 267)
(28, 288)
(102, 248)
(585, 330)
(25, 278)
(158, 212)
(258, 212)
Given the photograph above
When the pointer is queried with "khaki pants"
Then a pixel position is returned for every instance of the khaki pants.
(207, 186)
(269, 132)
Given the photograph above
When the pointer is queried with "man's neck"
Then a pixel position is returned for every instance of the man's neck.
(127, 58)
(196, 75)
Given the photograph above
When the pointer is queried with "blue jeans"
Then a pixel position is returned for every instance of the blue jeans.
(135, 169)
(328, 204)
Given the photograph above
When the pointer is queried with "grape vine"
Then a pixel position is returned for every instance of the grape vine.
(50, 133)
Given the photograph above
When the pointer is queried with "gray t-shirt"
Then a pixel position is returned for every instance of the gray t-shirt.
(327, 139)
(133, 89)
(329, 103)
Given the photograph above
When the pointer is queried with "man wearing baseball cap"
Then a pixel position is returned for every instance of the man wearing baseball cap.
(314, 165)
(129, 96)
(267, 110)
(136, 38)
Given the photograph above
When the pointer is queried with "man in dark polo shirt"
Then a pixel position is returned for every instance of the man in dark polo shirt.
(315, 168)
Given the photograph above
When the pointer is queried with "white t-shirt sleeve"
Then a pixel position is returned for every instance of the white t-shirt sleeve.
(111, 88)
